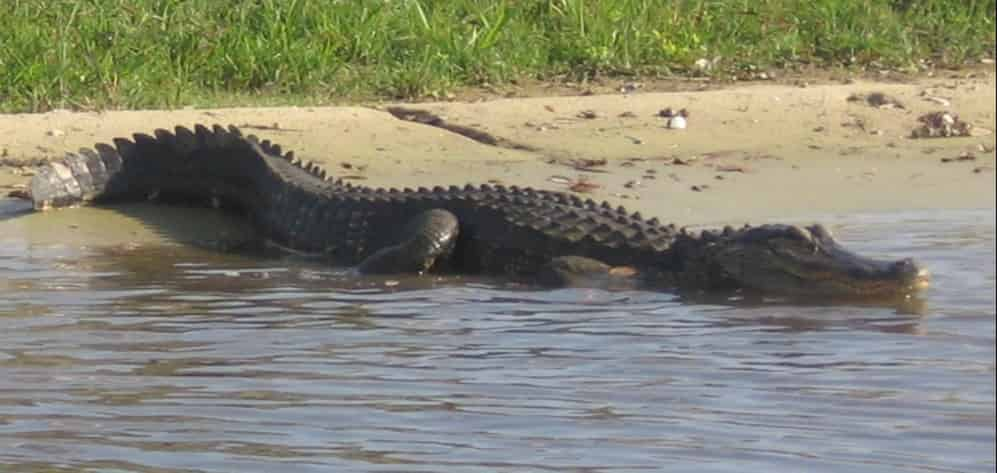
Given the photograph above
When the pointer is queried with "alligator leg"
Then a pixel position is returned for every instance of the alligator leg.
(575, 271)
(429, 236)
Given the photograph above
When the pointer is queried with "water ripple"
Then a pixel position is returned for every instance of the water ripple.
(179, 360)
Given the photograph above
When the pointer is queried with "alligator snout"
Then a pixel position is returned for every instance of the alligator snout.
(911, 273)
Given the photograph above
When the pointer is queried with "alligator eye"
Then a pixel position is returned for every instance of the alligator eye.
(799, 234)
(819, 232)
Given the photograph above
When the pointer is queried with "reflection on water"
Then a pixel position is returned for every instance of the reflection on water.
(176, 359)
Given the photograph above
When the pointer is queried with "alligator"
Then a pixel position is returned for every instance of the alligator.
(548, 236)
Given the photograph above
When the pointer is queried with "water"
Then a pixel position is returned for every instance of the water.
(176, 359)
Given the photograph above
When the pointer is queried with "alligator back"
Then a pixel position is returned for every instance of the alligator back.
(502, 229)
(202, 162)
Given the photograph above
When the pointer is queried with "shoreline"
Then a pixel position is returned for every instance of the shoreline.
(749, 154)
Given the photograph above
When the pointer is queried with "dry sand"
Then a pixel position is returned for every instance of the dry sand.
(750, 153)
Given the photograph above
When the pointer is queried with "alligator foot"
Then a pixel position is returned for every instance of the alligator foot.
(429, 237)
(579, 271)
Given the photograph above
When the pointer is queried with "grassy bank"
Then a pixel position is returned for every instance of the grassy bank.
(169, 53)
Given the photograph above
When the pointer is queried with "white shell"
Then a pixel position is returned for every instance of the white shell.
(677, 122)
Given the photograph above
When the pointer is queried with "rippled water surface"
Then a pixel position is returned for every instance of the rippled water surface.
(177, 359)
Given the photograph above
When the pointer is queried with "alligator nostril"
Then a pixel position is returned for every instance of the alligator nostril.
(908, 269)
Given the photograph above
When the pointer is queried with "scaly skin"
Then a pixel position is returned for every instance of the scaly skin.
(483, 229)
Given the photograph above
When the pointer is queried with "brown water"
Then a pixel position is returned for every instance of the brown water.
(177, 359)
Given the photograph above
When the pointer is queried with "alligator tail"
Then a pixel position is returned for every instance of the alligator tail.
(216, 162)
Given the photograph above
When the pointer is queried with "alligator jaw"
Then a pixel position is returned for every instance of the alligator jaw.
(805, 262)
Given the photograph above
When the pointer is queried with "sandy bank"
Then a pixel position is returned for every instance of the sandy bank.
(749, 153)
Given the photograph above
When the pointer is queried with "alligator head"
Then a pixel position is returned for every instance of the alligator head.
(794, 261)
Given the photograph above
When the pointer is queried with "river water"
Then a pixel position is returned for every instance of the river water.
(171, 358)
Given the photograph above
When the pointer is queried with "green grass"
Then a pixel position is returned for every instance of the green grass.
(171, 53)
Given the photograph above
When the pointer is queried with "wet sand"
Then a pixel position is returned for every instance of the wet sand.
(750, 153)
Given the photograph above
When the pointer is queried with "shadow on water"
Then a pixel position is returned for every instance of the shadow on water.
(130, 223)
(168, 277)
(119, 352)
(14, 208)
(900, 315)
